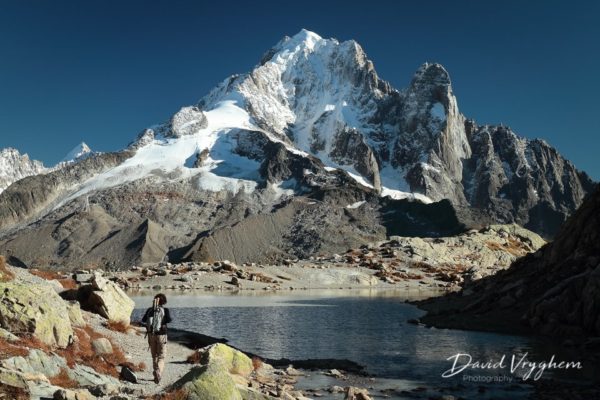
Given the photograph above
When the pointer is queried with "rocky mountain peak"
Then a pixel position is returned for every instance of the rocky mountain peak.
(324, 98)
(15, 166)
(78, 152)
(312, 121)
(304, 39)
(431, 74)
(431, 85)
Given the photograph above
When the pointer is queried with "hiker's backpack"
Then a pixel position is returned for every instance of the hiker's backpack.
(154, 321)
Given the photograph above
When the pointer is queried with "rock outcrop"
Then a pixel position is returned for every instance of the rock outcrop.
(554, 291)
(37, 310)
(36, 362)
(107, 299)
(15, 166)
(75, 316)
(40, 350)
(186, 121)
(234, 361)
(216, 378)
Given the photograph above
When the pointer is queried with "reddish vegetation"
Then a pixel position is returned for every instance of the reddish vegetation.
(66, 282)
(32, 342)
(81, 352)
(177, 394)
(256, 363)
(10, 349)
(6, 275)
(513, 247)
(423, 266)
(13, 393)
(117, 326)
(194, 358)
(47, 275)
(63, 380)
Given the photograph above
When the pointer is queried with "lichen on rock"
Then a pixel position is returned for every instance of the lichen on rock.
(37, 310)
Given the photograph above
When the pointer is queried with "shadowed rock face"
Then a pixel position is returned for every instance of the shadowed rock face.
(527, 181)
(555, 291)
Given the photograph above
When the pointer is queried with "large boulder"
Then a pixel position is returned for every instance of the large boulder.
(19, 385)
(36, 362)
(253, 394)
(75, 315)
(87, 377)
(210, 382)
(35, 309)
(234, 360)
(108, 299)
(218, 378)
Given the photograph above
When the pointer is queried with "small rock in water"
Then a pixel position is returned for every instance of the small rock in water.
(336, 389)
(335, 373)
(293, 371)
(354, 393)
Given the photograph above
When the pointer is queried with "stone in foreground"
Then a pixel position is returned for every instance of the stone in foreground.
(37, 310)
(216, 379)
(109, 300)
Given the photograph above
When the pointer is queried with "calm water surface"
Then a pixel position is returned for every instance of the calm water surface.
(368, 327)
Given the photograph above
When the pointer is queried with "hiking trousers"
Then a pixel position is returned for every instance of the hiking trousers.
(158, 349)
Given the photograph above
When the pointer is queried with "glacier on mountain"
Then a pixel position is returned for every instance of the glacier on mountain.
(314, 107)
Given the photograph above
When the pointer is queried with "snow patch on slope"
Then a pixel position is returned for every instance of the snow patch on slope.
(438, 111)
(168, 158)
(355, 205)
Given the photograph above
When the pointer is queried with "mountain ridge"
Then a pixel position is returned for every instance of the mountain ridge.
(15, 166)
(311, 127)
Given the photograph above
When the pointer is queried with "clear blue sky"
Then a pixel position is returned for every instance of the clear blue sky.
(101, 71)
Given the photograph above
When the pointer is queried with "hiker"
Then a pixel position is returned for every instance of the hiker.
(156, 319)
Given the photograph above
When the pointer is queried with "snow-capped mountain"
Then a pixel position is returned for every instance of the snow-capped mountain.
(325, 99)
(284, 150)
(15, 166)
(77, 153)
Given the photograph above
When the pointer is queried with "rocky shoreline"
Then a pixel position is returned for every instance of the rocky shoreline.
(96, 344)
(409, 263)
(89, 355)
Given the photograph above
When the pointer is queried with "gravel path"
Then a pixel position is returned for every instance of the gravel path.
(135, 347)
